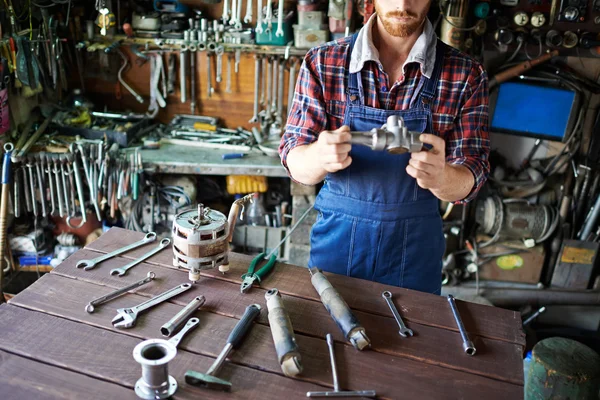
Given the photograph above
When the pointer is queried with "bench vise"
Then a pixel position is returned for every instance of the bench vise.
(393, 137)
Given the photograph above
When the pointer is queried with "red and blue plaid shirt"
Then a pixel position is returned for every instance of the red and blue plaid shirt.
(460, 108)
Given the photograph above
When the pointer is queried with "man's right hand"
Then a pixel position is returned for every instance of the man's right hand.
(333, 149)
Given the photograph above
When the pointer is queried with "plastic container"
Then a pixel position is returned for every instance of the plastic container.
(310, 19)
(270, 39)
(255, 211)
(307, 38)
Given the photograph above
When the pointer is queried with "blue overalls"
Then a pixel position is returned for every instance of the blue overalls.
(374, 221)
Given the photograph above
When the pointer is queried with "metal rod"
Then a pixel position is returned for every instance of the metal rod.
(290, 232)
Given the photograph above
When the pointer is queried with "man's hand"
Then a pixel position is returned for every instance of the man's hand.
(332, 149)
(428, 167)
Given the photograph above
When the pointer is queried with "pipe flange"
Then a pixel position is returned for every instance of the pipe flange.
(154, 356)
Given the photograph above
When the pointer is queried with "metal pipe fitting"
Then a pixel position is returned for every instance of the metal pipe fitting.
(182, 316)
(154, 356)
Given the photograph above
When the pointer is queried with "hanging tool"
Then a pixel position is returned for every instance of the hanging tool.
(113, 295)
(283, 334)
(123, 270)
(468, 345)
(208, 380)
(89, 264)
(339, 310)
(336, 385)
(8, 149)
(250, 277)
(126, 317)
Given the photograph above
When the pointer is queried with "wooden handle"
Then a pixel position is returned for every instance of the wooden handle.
(519, 69)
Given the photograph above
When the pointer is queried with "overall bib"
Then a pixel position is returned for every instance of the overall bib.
(374, 221)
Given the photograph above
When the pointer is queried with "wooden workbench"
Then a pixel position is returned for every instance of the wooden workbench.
(51, 348)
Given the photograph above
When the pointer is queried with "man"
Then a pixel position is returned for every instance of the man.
(378, 213)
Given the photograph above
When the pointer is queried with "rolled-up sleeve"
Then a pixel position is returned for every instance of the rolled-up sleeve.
(307, 116)
(468, 143)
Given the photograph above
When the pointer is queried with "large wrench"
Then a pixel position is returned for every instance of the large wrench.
(191, 324)
(404, 331)
(89, 264)
(126, 316)
(259, 17)
(248, 16)
(279, 32)
(113, 295)
(123, 270)
(257, 68)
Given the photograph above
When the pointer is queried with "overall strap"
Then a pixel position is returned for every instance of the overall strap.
(354, 84)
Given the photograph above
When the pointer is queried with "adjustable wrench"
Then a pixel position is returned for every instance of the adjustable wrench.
(126, 317)
(191, 324)
(257, 68)
(89, 264)
(404, 331)
(279, 32)
(123, 270)
(113, 295)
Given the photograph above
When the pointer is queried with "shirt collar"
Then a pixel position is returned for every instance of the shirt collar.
(423, 51)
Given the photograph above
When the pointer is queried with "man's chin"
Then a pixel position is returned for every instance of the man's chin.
(401, 30)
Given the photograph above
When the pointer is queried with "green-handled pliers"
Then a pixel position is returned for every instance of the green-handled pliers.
(250, 277)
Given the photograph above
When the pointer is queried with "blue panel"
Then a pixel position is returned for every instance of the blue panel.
(532, 110)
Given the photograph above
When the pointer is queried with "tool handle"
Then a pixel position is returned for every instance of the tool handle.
(243, 326)
(268, 267)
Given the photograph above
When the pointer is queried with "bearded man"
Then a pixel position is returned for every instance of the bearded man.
(378, 213)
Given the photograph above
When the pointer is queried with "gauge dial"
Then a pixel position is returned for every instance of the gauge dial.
(538, 19)
(521, 18)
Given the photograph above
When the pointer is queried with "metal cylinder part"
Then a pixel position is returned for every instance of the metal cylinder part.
(182, 316)
(200, 240)
(468, 345)
(283, 334)
(339, 310)
(154, 356)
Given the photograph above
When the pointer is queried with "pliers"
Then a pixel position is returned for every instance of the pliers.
(250, 277)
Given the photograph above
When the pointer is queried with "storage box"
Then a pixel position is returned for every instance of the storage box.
(307, 38)
(270, 39)
(310, 19)
(576, 265)
(524, 266)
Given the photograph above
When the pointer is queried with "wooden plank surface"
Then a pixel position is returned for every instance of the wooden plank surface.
(422, 308)
(24, 379)
(258, 350)
(105, 355)
(309, 317)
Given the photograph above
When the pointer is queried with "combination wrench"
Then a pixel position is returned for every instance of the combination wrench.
(191, 324)
(259, 17)
(123, 270)
(279, 32)
(113, 295)
(404, 331)
(257, 70)
(126, 317)
(89, 264)
(248, 16)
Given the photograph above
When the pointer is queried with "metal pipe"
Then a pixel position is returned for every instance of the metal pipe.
(182, 316)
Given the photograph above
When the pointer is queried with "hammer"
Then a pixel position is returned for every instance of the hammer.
(208, 380)
(393, 137)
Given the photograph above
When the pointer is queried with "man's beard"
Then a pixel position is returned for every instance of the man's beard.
(399, 29)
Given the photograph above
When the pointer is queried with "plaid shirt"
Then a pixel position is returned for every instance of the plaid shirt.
(460, 109)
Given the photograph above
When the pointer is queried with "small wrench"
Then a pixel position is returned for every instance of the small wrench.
(191, 324)
(126, 317)
(404, 331)
(279, 32)
(259, 17)
(113, 295)
(123, 270)
(248, 17)
(89, 264)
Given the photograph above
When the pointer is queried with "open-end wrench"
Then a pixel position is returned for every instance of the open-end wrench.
(225, 15)
(232, 19)
(59, 188)
(79, 186)
(50, 184)
(404, 331)
(219, 52)
(228, 79)
(126, 317)
(238, 15)
(269, 16)
(63, 179)
(291, 85)
(279, 32)
(209, 88)
(191, 324)
(113, 295)
(40, 179)
(248, 16)
(89, 264)
(123, 270)
(274, 82)
(183, 67)
(280, 76)
(259, 17)
(26, 191)
(257, 68)
(32, 185)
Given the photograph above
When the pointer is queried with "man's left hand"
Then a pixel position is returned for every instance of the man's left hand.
(428, 167)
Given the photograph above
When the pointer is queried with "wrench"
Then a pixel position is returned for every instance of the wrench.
(238, 15)
(40, 179)
(79, 186)
(279, 32)
(126, 317)
(209, 87)
(291, 85)
(50, 181)
(228, 80)
(232, 19)
(248, 17)
(30, 167)
(219, 51)
(225, 16)
(257, 68)
(269, 16)
(280, 76)
(259, 17)
(274, 83)
(89, 264)
(63, 178)
(404, 331)
(123, 270)
(191, 324)
(113, 295)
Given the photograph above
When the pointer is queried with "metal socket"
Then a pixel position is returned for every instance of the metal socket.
(182, 316)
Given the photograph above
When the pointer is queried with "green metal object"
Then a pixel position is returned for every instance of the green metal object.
(250, 277)
(563, 369)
